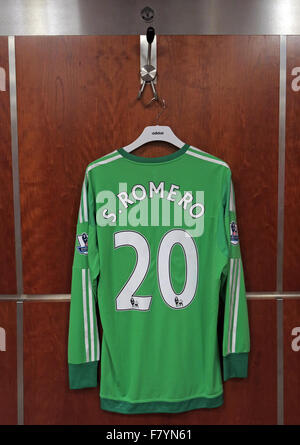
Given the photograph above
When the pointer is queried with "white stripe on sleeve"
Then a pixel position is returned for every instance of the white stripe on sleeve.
(85, 208)
(91, 317)
(236, 309)
(86, 335)
(231, 293)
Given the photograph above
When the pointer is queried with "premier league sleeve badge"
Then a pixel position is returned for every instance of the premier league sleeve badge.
(234, 236)
(83, 243)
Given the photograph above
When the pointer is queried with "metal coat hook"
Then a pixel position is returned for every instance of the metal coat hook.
(148, 71)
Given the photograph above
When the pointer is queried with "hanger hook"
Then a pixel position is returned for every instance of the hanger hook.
(162, 102)
(149, 103)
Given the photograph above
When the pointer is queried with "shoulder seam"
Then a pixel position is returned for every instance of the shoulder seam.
(103, 160)
(201, 155)
(103, 157)
(206, 153)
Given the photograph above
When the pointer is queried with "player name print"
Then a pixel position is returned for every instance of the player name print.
(151, 204)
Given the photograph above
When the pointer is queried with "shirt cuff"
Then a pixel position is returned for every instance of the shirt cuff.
(83, 375)
(235, 365)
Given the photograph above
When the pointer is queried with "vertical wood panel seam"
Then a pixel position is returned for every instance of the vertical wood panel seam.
(280, 363)
(17, 222)
(15, 163)
(281, 163)
(280, 227)
(20, 364)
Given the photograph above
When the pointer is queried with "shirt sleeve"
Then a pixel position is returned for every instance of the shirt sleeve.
(236, 338)
(83, 339)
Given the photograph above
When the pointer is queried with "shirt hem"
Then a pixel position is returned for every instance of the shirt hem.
(120, 406)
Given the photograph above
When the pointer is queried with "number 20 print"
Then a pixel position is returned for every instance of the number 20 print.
(127, 298)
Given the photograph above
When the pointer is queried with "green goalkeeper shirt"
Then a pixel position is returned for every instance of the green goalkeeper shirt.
(157, 252)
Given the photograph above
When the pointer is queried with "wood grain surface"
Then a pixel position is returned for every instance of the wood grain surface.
(291, 269)
(292, 361)
(8, 364)
(7, 251)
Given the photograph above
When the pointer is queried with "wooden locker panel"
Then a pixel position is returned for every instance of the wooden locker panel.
(8, 363)
(254, 401)
(77, 101)
(222, 94)
(291, 361)
(48, 400)
(73, 103)
(7, 253)
(291, 277)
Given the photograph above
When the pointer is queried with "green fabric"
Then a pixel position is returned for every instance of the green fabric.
(157, 270)
(165, 158)
(83, 375)
(235, 365)
(160, 407)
